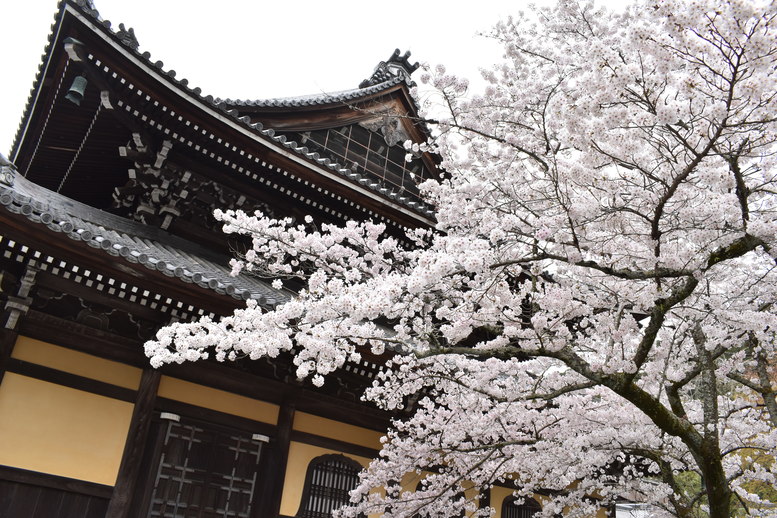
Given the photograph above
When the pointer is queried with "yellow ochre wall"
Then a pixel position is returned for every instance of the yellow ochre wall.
(59, 430)
(332, 429)
(220, 400)
(74, 362)
(62, 431)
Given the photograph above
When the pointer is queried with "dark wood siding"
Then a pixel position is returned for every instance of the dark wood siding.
(27, 494)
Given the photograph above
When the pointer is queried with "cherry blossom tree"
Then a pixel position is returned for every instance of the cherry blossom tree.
(594, 313)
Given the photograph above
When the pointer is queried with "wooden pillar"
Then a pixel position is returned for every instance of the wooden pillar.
(275, 468)
(133, 448)
(485, 498)
(15, 309)
(7, 342)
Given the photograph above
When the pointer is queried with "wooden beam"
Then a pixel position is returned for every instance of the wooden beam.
(66, 333)
(334, 444)
(129, 469)
(66, 379)
(213, 416)
(485, 498)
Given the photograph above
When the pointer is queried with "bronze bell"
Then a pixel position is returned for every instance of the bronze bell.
(76, 92)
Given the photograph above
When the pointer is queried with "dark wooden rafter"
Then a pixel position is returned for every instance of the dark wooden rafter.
(44, 95)
(103, 344)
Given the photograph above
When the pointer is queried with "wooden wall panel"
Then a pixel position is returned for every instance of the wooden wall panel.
(27, 501)
(29, 494)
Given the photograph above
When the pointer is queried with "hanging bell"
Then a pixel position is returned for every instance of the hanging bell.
(76, 92)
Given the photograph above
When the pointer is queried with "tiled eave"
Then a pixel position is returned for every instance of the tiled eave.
(128, 241)
(338, 98)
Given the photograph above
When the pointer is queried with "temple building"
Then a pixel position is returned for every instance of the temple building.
(107, 234)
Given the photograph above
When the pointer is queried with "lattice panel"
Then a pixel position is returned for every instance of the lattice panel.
(205, 473)
(331, 481)
(512, 509)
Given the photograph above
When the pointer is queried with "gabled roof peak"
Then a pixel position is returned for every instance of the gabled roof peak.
(396, 66)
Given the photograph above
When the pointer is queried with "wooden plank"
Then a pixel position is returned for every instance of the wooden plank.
(70, 485)
(141, 501)
(10, 499)
(49, 502)
(129, 469)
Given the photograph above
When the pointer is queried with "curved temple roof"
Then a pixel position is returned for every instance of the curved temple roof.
(388, 74)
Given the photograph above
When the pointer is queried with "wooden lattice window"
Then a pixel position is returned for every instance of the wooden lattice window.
(205, 472)
(368, 153)
(511, 508)
(328, 482)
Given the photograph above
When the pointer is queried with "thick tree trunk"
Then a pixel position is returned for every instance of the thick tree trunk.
(718, 493)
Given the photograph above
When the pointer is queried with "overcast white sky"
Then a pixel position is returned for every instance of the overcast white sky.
(260, 49)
